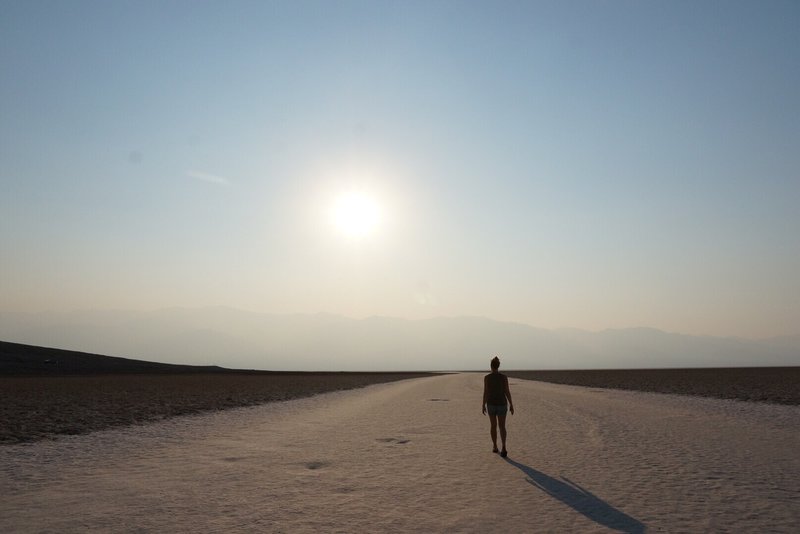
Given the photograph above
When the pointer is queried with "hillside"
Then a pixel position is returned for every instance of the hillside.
(19, 359)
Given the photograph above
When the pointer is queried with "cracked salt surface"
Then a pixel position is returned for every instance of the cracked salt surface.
(386, 458)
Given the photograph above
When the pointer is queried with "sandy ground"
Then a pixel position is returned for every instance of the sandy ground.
(778, 385)
(39, 407)
(415, 456)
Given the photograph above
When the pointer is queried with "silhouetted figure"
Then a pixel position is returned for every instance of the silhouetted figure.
(495, 393)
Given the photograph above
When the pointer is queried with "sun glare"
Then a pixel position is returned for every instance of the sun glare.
(355, 215)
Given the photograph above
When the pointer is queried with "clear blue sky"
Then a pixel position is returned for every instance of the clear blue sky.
(583, 164)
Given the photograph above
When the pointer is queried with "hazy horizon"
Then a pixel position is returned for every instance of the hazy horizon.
(210, 307)
(313, 342)
(603, 165)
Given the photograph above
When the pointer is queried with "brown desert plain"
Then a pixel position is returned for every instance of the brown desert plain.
(45, 392)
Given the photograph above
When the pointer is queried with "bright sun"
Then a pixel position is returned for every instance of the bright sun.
(355, 215)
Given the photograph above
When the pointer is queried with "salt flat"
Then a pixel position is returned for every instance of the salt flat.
(415, 456)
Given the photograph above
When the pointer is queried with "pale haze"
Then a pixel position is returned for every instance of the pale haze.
(586, 165)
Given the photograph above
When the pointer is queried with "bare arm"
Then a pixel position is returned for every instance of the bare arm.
(508, 396)
(485, 394)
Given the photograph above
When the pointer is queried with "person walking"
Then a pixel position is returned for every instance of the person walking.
(495, 394)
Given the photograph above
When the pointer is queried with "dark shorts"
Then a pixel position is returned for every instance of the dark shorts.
(496, 409)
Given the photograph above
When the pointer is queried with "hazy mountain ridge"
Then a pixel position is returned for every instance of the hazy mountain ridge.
(241, 339)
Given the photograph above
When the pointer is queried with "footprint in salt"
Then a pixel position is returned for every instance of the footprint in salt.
(316, 465)
(398, 441)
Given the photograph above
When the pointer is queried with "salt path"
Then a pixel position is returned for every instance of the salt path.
(414, 456)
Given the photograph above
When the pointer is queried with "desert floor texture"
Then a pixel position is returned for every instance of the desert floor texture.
(414, 455)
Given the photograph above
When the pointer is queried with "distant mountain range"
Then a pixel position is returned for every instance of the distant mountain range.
(247, 340)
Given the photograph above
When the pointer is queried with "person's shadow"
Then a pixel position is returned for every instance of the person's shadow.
(581, 500)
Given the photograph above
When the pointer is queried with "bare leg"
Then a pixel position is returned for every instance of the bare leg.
(502, 420)
(493, 431)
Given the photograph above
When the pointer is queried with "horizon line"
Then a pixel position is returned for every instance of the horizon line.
(392, 317)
